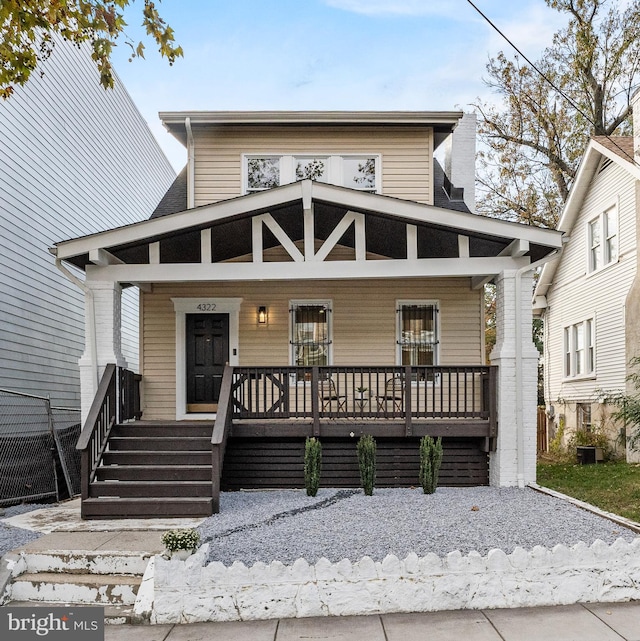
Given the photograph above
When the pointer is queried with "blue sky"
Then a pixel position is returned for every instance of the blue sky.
(325, 54)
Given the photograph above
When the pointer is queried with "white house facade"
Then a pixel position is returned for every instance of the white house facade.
(74, 159)
(588, 298)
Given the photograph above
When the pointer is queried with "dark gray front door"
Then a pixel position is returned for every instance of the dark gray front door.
(207, 354)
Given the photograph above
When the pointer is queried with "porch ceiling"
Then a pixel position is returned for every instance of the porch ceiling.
(369, 224)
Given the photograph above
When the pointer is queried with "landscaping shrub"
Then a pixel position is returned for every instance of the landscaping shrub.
(430, 460)
(367, 462)
(312, 465)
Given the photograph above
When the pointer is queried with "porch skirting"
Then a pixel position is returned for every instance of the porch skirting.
(190, 591)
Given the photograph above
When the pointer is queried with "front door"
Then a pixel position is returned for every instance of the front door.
(207, 354)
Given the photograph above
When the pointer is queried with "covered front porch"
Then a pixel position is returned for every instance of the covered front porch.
(311, 310)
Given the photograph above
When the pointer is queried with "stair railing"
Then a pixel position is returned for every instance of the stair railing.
(117, 400)
(221, 429)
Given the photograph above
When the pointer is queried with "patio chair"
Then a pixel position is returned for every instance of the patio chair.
(393, 394)
(330, 400)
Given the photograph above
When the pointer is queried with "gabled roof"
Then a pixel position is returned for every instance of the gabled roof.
(619, 149)
(175, 200)
(438, 230)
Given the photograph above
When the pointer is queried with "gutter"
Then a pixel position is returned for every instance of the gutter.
(91, 309)
(190, 164)
(518, 302)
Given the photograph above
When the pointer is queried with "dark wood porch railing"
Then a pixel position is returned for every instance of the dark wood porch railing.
(221, 429)
(117, 400)
(401, 393)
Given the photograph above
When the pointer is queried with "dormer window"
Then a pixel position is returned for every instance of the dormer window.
(355, 171)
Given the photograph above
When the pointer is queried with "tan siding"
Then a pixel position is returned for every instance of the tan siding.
(364, 325)
(405, 152)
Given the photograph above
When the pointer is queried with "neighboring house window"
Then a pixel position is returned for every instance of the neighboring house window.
(579, 352)
(584, 417)
(417, 333)
(603, 240)
(355, 171)
(310, 333)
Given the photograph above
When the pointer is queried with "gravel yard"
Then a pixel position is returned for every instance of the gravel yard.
(337, 524)
(286, 525)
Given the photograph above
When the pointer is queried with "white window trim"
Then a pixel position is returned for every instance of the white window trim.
(328, 303)
(436, 350)
(334, 169)
(184, 306)
(601, 217)
(570, 331)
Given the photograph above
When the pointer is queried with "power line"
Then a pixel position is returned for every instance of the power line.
(547, 80)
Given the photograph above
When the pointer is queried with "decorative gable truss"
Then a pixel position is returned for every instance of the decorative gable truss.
(326, 231)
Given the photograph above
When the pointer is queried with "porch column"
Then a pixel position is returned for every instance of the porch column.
(514, 461)
(102, 338)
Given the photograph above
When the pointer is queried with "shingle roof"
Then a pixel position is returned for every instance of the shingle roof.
(175, 199)
(620, 145)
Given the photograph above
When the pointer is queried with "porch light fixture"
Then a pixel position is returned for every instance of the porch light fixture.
(262, 315)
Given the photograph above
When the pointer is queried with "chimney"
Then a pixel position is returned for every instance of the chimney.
(635, 103)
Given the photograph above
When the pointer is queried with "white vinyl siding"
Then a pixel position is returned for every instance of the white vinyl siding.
(578, 294)
(74, 159)
(363, 315)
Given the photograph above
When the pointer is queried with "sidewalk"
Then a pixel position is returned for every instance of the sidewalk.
(588, 622)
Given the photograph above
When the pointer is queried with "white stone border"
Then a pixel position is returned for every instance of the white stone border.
(190, 591)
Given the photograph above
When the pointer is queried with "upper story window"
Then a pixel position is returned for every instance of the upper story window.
(603, 239)
(579, 349)
(417, 332)
(355, 171)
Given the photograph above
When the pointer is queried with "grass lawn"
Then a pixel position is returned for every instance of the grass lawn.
(614, 487)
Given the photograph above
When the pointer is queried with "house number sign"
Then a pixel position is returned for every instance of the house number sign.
(206, 307)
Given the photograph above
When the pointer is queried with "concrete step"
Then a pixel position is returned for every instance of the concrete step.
(57, 587)
(113, 614)
(102, 563)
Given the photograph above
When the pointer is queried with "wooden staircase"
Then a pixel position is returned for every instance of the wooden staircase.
(152, 470)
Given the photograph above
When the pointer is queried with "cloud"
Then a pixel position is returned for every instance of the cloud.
(395, 7)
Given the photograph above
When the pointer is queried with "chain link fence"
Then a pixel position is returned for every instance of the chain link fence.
(38, 457)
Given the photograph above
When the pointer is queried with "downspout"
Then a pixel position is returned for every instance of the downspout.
(190, 164)
(518, 302)
(93, 346)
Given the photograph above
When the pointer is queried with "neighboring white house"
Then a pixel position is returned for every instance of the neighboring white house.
(589, 298)
(74, 159)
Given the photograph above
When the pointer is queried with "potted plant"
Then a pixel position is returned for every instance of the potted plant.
(362, 392)
(181, 543)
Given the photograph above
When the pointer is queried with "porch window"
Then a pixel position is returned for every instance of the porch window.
(579, 349)
(417, 333)
(603, 240)
(310, 333)
(354, 171)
